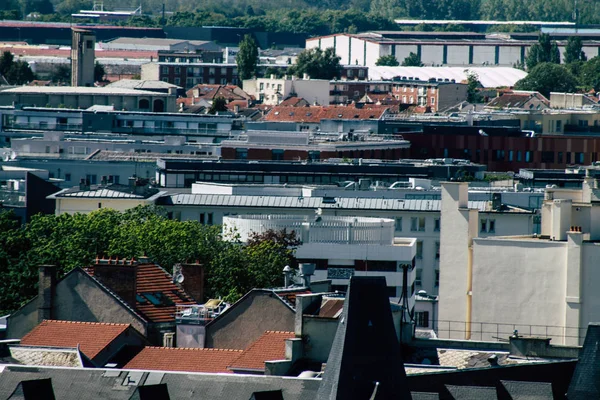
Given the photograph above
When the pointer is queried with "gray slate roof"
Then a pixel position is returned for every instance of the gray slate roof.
(77, 384)
(310, 202)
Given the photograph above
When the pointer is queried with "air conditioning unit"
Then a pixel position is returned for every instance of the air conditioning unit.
(169, 339)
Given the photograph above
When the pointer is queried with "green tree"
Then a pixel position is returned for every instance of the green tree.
(473, 85)
(548, 77)
(573, 50)
(61, 74)
(247, 58)
(6, 61)
(544, 51)
(99, 72)
(389, 61)
(589, 73)
(218, 104)
(412, 60)
(317, 64)
(15, 72)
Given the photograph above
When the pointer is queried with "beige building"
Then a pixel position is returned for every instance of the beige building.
(86, 97)
(540, 285)
(274, 90)
(82, 57)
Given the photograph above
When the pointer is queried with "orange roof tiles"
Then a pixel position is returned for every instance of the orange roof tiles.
(270, 346)
(151, 278)
(183, 359)
(92, 337)
(314, 114)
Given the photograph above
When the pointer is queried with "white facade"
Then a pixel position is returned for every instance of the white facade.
(341, 246)
(542, 285)
(273, 91)
(419, 218)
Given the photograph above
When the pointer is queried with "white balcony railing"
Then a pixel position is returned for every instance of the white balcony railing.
(317, 229)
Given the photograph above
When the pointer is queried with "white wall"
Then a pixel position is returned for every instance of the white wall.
(86, 206)
(432, 54)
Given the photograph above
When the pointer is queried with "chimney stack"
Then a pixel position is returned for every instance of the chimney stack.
(46, 288)
(306, 271)
(120, 278)
(287, 275)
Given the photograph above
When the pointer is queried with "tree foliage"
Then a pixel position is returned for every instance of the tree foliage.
(473, 85)
(317, 64)
(573, 50)
(61, 74)
(548, 77)
(71, 241)
(218, 104)
(16, 72)
(412, 60)
(589, 73)
(388, 61)
(247, 58)
(544, 51)
(99, 72)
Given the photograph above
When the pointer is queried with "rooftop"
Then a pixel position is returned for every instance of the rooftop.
(141, 84)
(91, 337)
(270, 346)
(80, 90)
(112, 191)
(184, 359)
(314, 114)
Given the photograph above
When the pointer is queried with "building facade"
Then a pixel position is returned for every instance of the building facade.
(82, 57)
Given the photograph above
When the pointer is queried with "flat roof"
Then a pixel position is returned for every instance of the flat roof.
(81, 90)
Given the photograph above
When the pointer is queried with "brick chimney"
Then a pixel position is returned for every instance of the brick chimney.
(193, 280)
(46, 288)
(121, 279)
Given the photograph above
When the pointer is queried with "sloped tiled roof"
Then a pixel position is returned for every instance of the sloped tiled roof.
(270, 346)
(184, 359)
(151, 278)
(293, 102)
(314, 114)
(92, 337)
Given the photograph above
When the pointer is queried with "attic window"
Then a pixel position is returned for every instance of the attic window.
(329, 200)
(291, 114)
(339, 115)
(356, 116)
(140, 299)
(158, 299)
(371, 116)
(308, 114)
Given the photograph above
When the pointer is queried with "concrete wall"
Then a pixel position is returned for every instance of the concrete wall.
(321, 332)
(246, 320)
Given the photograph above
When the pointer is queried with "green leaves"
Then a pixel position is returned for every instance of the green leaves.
(389, 61)
(317, 64)
(247, 58)
(548, 77)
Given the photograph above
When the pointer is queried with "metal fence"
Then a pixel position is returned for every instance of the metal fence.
(493, 331)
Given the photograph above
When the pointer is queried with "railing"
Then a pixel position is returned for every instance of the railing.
(43, 126)
(493, 331)
(325, 229)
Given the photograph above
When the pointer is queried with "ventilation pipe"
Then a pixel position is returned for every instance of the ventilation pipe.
(287, 276)
(306, 271)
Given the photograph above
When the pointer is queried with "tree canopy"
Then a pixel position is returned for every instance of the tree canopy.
(247, 58)
(71, 241)
(544, 51)
(317, 64)
(548, 77)
(15, 72)
(389, 61)
(412, 60)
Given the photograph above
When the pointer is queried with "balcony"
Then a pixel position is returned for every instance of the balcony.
(318, 229)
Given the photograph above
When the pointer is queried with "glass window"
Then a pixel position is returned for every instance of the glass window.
(437, 250)
(418, 276)
(483, 225)
(241, 154)
(422, 319)
(419, 249)
(437, 277)
(399, 224)
(421, 224)
(413, 224)
(492, 226)
(436, 224)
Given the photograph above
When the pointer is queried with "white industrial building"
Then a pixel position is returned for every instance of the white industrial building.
(341, 247)
(415, 212)
(544, 285)
(435, 48)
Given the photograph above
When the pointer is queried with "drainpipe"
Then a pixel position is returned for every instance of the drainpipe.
(469, 290)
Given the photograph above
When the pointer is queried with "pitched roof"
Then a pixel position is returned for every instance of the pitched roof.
(184, 359)
(518, 99)
(314, 114)
(152, 279)
(92, 337)
(294, 102)
(270, 346)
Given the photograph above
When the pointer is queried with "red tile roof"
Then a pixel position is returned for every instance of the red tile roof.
(314, 114)
(184, 359)
(270, 346)
(294, 102)
(151, 278)
(92, 337)
(289, 296)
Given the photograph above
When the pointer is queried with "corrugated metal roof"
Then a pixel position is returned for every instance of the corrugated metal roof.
(102, 193)
(309, 202)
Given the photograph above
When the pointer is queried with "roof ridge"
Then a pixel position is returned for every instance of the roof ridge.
(293, 333)
(84, 322)
(195, 349)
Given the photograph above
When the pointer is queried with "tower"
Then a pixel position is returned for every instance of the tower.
(82, 57)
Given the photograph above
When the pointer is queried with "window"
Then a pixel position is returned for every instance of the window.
(436, 224)
(209, 219)
(202, 219)
(547, 156)
(67, 177)
(177, 81)
(437, 278)
(165, 70)
(361, 73)
(413, 224)
(89, 44)
(422, 319)
(99, 205)
(421, 224)
(568, 157)
(560, 157)
(432, 100)
(277, 154)
(241, 154)
(404, 98)
(418, 277)
(483, 225)
(558, 126)
(92, 179)
(350, 73)
(399, 224)
(492, 226)
(412, 100)
(177, 70)
(419, 249)
(579, 158)
(437, 250)
(528, 156)
(510, 155)
(519, 155)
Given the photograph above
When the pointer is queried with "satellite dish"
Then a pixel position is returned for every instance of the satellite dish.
(179, 278)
